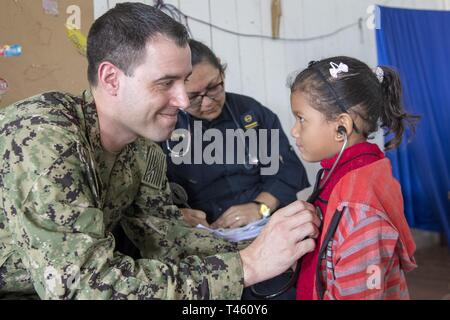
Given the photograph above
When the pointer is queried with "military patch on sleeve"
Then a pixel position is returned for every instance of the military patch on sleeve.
(155, 171)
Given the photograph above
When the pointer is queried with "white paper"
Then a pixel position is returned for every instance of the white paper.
(249, 231)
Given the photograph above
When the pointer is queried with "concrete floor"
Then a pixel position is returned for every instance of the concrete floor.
(431, 280)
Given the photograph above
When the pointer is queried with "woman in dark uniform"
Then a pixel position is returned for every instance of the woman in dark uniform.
(233, 195)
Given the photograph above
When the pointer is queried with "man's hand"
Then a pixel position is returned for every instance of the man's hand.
(194, 217)
(287, 236)
(238, 216)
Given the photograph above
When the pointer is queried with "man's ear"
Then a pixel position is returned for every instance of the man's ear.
(344, 121)
(108, 77)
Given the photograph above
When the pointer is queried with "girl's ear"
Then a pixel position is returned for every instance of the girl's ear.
(344, 121)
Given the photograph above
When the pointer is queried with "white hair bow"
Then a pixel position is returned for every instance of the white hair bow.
(336, 69)
(380, 74)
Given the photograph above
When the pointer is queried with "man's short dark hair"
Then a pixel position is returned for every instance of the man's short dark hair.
(121, 34)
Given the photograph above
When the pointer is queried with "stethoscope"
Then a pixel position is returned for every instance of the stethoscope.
(318, 188)
(253, 160)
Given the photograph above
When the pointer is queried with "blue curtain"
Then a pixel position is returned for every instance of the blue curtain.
(417, 44)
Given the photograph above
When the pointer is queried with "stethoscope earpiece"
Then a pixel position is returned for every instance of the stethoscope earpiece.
(342, 131)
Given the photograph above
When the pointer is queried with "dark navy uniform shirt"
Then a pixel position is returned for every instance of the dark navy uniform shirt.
(216, 187)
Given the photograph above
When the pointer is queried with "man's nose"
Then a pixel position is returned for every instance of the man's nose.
(181, 99)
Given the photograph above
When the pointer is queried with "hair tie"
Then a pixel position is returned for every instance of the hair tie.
(380, 74)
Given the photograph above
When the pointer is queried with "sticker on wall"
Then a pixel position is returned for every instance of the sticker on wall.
(13, 50)
(50, 7)
(78, 39)
(3, 87)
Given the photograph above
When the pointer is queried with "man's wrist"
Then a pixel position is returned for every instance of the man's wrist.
(250, 274)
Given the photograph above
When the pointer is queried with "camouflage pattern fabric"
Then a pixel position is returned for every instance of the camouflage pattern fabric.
(61, 195)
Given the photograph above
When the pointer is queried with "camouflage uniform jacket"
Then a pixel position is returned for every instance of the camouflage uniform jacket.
(60, 198)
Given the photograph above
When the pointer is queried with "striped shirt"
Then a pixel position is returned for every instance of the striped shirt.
(372, 247)
(363, 258)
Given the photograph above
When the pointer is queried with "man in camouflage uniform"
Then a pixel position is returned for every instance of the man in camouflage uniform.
(73, 167)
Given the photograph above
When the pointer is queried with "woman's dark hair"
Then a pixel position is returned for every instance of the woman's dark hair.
(202, 53)
(120, 36)
(357, 91)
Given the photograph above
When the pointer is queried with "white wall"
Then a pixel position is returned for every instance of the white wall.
(259, 67)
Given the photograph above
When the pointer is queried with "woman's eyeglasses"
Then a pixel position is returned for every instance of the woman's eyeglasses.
(211, 92)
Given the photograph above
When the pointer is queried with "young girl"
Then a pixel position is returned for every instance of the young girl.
(365, 246)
